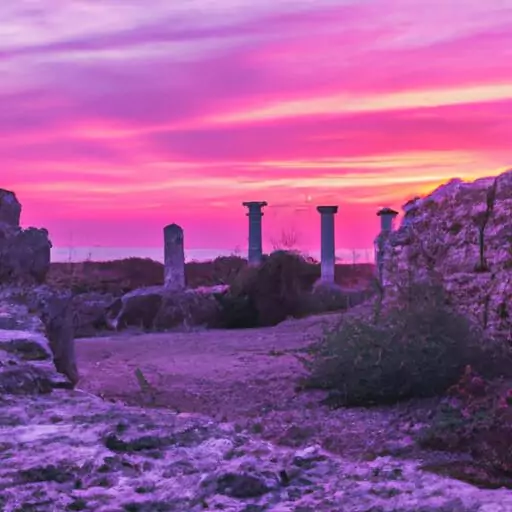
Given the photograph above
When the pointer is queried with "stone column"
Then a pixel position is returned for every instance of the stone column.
(328, 248)
(255, 241)
(387, 216)
(174, 258)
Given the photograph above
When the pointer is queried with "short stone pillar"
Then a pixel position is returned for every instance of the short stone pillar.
(174, 258)
(387, 216)
(255, 239)
(328, 250)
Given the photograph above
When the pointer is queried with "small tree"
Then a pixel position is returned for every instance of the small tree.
(481, 220)
(287, 240)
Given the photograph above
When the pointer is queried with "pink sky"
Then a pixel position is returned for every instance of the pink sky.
(120, 116)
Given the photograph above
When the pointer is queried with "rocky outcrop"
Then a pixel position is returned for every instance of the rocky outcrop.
(64, 449)
(52, 315)
(26, 365)
(24, 253)
(57, 314)
(157, 308)
(460, 236)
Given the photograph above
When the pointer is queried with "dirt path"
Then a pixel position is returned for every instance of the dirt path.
(248, 377)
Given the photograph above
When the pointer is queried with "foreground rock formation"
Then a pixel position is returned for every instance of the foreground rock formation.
(24, 253)
(460, 235)
(68, 450)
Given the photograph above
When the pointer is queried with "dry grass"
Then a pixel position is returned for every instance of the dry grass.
(121, 276)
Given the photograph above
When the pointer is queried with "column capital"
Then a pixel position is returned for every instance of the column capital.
(253, 205)
(387, 211)
(327, 209)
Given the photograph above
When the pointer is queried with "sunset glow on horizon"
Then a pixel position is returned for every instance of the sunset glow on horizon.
(119, 117)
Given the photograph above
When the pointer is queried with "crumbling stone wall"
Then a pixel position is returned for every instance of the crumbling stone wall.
(460, 235)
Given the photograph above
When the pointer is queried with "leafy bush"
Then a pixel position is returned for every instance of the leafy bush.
(269, 293)
(417, 350)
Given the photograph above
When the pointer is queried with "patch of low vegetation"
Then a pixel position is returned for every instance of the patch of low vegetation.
(269, 293)
(418, 349)
(122, 276)
(117, 276)
(423, 348)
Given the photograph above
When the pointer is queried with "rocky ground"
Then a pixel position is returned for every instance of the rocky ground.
(71, 450)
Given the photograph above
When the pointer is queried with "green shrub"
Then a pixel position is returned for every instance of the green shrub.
(417, 350)
(269, 293)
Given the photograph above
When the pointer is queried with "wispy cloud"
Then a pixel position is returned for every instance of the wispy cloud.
(115, 115)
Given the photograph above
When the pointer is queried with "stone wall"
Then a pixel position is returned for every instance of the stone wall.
(24, 253)
(461, 235)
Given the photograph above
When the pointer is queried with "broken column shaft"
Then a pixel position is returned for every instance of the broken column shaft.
(174, 257)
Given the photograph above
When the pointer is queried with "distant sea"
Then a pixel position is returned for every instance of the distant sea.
(97, 253)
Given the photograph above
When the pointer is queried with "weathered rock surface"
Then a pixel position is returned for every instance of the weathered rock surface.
(461, 235)
(52, 315)
(156, 308)
(26, 365)
(57, 314)
(68, 450)
(24, 253)
(90, 315)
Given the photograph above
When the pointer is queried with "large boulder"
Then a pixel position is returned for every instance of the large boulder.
(90, 313)
(460, 236)
(156, 308)
(24, 253)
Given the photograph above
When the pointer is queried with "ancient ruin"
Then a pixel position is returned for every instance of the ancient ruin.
(174, 258)
(387, 216)
(255, 215)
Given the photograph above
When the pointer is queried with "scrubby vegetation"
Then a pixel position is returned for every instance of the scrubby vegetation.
(280, 288)
(422, 348)
(117, 277)
(417, 349)
(122, 276)
(268, 294)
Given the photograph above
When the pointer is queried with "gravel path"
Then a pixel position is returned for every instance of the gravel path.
(247, 377)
